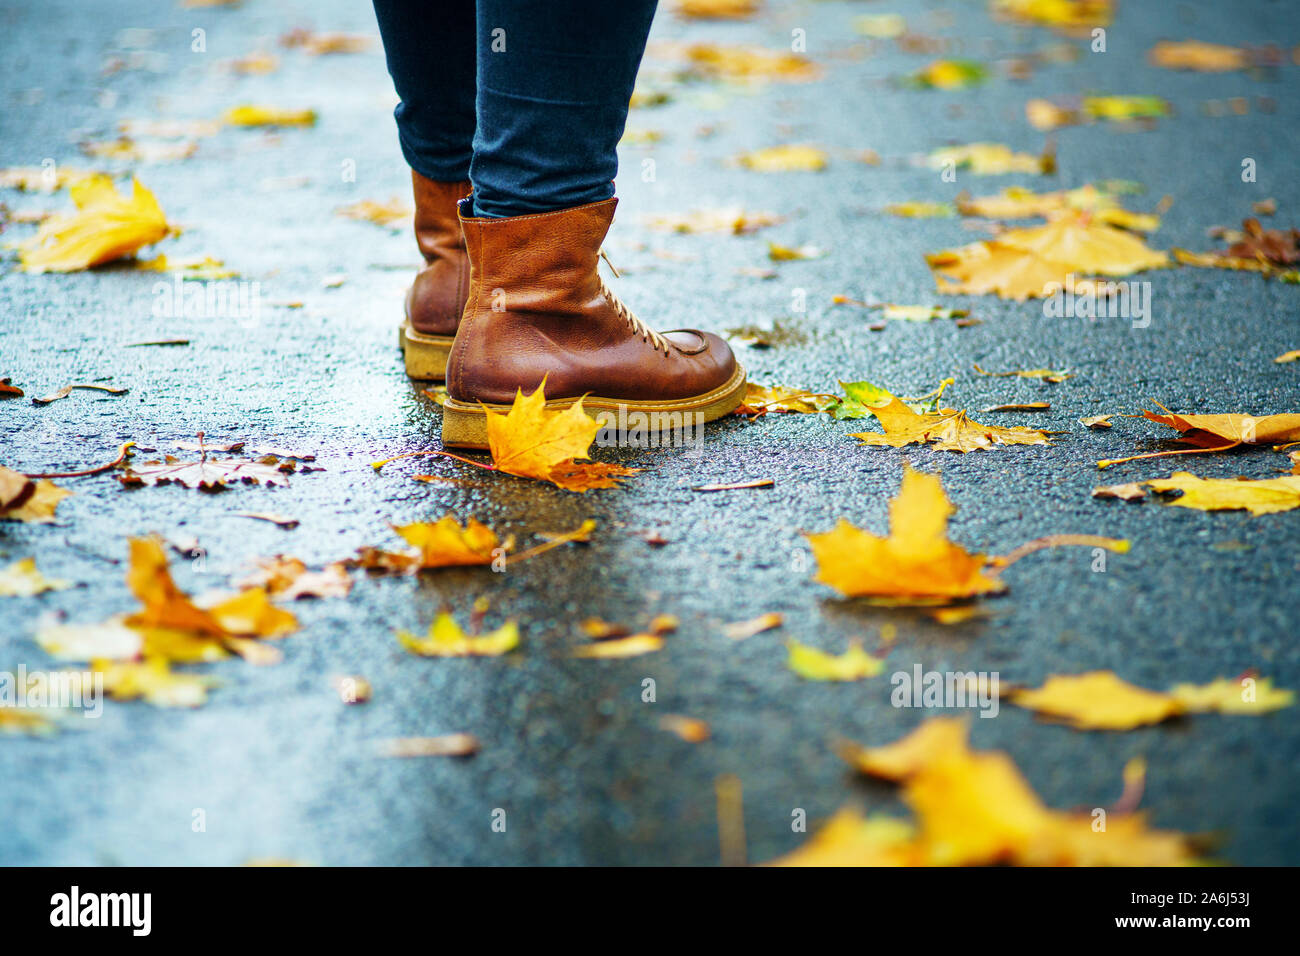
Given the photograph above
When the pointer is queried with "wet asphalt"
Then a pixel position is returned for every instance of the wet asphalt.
(570, 751)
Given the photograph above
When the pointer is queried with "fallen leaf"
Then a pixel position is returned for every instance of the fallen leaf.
(30, 723)
(320, 44)
(761, 399)
(1097, 421)
(446, 639)
(153, 681)
(743, 629)
(1243, 695)
(140, 151)
(1069, 14)
(949, 75)
(1016, 202)
(9, 391)
(27, 500)
(730, 219)
(45, 179)
(288, 579)
(989, 159)
(716, 9)
(21, 579)
(690, 729)
(1212, 433)
(191, 267)
(883, 26)
(206, 475)
(790, 254)
(974, 808)
(1199, 56)
(392, 214)
(909, 755)
(280, 520)
(67, 390)
(813, 664)
(922, 210)
(1262, 497)
(1126, 492)
(946, 429)
(110, 640)
(1041, 261)
(740, 63)
(448, 745)
(253, 115)
(736, 485)
(1045, 374)
(1100, 700)
(106, 226)
(1291, 356)
(916, 563)
(1125, 107)
(784, 159)
(619, 647)
(533, 441)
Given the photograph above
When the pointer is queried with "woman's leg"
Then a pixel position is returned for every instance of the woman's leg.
(430, 50)
(554, 81)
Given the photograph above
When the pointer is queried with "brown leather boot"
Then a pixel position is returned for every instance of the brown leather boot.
(437, 297)
(538, 309)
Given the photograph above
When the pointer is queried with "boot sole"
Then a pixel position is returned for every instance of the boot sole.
(465, 426)
(425, 355)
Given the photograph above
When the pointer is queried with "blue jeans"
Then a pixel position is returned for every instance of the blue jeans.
(525, 98)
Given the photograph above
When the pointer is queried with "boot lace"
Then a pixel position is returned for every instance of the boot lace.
(627, 315)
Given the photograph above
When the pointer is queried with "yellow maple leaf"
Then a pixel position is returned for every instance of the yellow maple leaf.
(1098, 700)
(784, 159)
(250, 613)
(947, 429)
(760, 399)
(850, 839)
(22, 579)
(534, 441)
(1040, 261)
(750, 63)
(1243, 695)
(393, 213)
(813, 664)
(633, 645)
(106, 226)
(445, 543)
(716, 9)
(446, 639)
(152, 680)
(915, 564)
(1016, 202)
(922, 210)
(989, 159)
(1261, 497)
(1056, 13)
(975, 808)
(907, 755)
(165, 605)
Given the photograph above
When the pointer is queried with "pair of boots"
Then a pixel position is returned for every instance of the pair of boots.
(503, 303)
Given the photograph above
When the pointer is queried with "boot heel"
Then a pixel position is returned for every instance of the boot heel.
(425, 355)
(463, 426)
